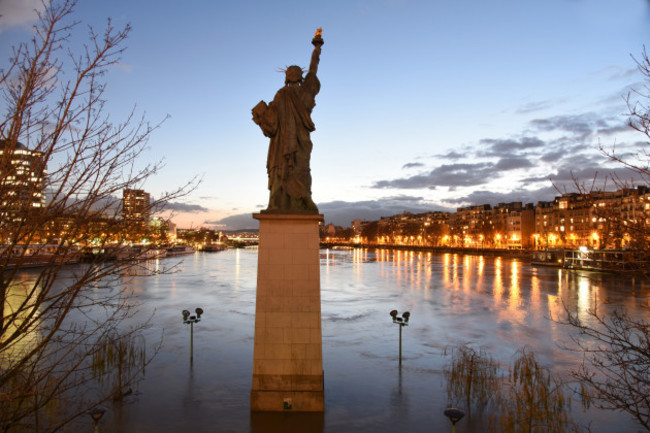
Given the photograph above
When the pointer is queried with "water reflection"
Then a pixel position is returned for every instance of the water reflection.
(20, 310)
(496, 303)
(399, 400)
(287, 422)
(498, 282)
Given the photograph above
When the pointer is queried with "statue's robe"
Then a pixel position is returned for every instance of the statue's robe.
(287, 121)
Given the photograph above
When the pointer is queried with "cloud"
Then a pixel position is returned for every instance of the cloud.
(412, 165)
(618, 98)
(553, 156)
(513, 163)
(536, 179)
(341, 213)
(615, 130)
(517, 195)
(453, 155)
(403, 198)
(618, 73)
(567, 174)
(552, 152)
(584, 167)
(244, 221)
(509, 146)
(19, 13)
(534, 106)
(581, 125)
(453, 175)
(184, 207)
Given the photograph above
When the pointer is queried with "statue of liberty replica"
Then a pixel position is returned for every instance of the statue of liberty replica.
(288, 354)
(287, 122)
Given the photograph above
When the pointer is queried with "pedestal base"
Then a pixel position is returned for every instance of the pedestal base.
(290, 401)
(288, 359)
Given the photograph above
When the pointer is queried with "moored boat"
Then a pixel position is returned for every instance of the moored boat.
(179, 250)
(211, 248)
(38, 255)
(140, 253)
(585, 259)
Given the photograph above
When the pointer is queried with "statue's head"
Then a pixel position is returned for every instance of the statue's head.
(293, 75)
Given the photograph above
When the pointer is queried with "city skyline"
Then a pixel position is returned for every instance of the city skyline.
(422, 107)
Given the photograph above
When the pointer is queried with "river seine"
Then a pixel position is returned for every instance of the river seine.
(497, 304)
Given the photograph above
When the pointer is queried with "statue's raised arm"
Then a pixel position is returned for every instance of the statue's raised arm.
(315, 55)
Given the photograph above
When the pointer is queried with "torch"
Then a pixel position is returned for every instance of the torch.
(318, 38)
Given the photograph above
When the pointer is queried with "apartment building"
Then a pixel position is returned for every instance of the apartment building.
(136, 210)
(22, 183)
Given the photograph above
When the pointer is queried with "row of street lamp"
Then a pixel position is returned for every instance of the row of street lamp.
(453, 414)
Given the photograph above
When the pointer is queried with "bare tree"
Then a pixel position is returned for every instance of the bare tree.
(634, 220)
(58, 140)
(639, 120)
(615, 372)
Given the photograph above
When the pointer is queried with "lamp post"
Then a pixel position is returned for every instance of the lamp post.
(454, 416)
(401, 321)
(96, 414)
(191, 320)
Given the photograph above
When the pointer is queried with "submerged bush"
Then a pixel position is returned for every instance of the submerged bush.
(532, 400)
(472, 377)
(529, 399)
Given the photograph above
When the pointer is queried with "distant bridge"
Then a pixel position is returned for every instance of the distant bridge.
(247, 240)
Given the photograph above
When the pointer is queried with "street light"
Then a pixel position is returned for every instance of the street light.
(191, 320)
(454, 416)
(96, 414)
(401, 321)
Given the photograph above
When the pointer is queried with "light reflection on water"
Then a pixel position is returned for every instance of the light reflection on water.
(495, 303)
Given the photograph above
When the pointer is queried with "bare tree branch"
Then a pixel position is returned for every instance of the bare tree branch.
(61, 323)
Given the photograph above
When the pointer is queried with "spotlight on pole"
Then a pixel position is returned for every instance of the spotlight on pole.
(96, 414)
(454, 415)
(191, 320)
(401, 321)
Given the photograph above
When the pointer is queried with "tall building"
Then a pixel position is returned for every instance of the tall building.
(136, 209)
(22, 182)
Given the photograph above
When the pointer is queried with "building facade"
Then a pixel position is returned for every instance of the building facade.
(598, 220)
(136, 211)
(22, 184)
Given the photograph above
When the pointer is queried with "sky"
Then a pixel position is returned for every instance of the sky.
(424, 105)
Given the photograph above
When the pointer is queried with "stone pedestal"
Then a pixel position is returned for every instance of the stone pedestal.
(288, 354)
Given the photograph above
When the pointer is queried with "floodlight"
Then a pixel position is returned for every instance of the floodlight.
(97, 413)
(454, 414)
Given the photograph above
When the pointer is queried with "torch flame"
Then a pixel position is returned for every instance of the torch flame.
(319, 32)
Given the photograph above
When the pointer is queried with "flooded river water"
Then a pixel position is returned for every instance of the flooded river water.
(497, 304)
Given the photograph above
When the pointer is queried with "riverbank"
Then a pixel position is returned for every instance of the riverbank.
(492, 252)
